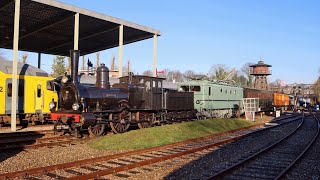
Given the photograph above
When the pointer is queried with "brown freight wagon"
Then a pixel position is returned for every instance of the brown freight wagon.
(265, 98)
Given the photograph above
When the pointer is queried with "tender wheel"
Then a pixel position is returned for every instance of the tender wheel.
(146, 119)
(120, 122)
(97, 130)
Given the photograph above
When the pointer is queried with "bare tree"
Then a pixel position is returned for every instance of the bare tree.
(218, 71)
(189, 74)
(177, 76)
(24, 57)
(317, 90)
(98, 59)
(147, 73)
(239, 79)
(275, 85)
(246, 71)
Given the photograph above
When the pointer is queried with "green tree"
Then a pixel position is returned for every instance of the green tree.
(58, 66)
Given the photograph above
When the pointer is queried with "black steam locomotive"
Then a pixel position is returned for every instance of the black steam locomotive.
(135, 100)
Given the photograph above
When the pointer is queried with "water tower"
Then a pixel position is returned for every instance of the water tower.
(260, 71)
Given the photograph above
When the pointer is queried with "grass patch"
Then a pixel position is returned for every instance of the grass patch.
(167, 134)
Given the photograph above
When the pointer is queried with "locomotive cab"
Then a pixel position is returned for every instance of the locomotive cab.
(145, 92)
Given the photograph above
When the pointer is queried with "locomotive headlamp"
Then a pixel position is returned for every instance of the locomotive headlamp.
(75, 106)
(51, 105)
(64, 79)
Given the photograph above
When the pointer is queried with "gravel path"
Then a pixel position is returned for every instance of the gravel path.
(45, 156)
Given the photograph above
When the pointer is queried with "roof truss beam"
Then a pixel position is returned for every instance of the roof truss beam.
(86, 37)
(42, 27)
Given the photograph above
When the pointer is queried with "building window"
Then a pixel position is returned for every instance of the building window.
(209, 91)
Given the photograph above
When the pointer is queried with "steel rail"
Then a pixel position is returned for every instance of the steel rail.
(110, 157)
(222, 173)
(151, 161)
(134, 152)
(100, 173)
(33, 146)
(299, 157)
(28, 141)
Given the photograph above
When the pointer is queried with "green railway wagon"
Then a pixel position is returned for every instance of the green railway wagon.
(214, 98)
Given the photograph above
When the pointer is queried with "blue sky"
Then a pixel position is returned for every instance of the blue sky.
(199, 34)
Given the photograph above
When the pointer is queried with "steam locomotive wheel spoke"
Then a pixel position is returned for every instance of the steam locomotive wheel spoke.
(145, 120)
(120, 125)
(97, 130)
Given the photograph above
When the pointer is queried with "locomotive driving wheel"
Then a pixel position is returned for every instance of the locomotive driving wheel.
(97, 130)
(145, 120)
(120, 122)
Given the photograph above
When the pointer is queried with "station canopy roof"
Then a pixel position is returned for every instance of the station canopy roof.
(47, 26)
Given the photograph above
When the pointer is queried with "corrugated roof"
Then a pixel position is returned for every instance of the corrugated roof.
(47, 26)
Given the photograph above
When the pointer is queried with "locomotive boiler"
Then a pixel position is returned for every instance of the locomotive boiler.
(135, 100)
(79, 105)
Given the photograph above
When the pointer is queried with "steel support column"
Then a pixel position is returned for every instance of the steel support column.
(155, 55)
(39, 60)
(120, 49)
(76, 32)
(15, 66)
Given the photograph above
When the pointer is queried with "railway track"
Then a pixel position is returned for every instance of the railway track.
(22, 144)
(275, 160)
(36, 139)
(101, 166)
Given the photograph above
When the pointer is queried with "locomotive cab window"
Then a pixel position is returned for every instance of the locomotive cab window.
(195, 88)
(209, 91)
(184, 88)
(9, 93)
(39, 91)
(159, 84)
(154, 84)
(148, 86)
(190, 88)
(50, 86)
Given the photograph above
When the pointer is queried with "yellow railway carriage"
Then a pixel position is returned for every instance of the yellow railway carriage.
(35, 92)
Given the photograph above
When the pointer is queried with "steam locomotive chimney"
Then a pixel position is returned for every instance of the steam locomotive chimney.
(74, 56)
(102, 78)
